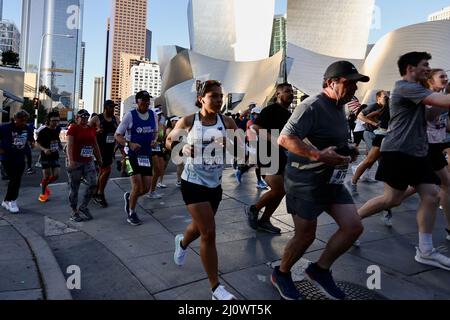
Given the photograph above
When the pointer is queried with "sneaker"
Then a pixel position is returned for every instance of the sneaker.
(222, 294)
(252, 217)
(434, 258)
(387, 219)
(43, 198)
(267, 226)
(238, 176)
(100, 200)
(76, 217)
(357, 244)
(133, 219)
(13, 208)
(261, 185)
(48, 192)
(178, 184)
(161, 186)
(85, 212)
(154, 195)
(353, 188)
(6, 205)
(323, 280)
(179, 254)
(38, 165)
(29, 171)
(126, 198)
(285, 286)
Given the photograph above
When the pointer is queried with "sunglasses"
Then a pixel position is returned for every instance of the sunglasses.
(204, 85)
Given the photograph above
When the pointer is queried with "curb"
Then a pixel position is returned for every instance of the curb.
(54, 282)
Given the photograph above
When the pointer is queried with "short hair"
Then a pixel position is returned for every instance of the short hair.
(21, 114)
(283, 85)
(206, 87)
(411, 59)
(380, 93)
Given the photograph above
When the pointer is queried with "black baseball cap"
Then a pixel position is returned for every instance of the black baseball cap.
(110, 103)
(83, 113)
(345, 70)
(144, 95)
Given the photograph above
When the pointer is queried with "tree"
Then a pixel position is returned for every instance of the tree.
(46, 90)
(10, 58)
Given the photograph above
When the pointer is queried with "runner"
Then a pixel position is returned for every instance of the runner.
(14, 138)
(106, 125)
(319, 156)
(138, 133)
(404, 160)
(81, 148)
(272, 117)
(49, 142)
(180, 167)
(158, 158)
(201, 183)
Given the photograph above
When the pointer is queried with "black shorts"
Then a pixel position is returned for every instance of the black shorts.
(107, 153)
(138, 170)
(50, 163)
(378, 140)
(358, 137)
(400, 170)
(436, 155)
(311, 210)
(195, 193)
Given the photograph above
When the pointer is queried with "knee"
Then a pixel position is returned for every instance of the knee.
(353, 230)
(209, 235)
(431, 198)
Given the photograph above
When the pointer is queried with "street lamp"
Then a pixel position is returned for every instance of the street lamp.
(40, 65)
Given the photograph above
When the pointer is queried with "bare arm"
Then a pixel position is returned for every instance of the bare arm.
(366, 119)
(438, 100)
(70, 151)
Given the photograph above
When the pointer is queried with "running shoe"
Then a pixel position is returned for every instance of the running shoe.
(126, 198)
(29, 171)
(323, 280)
(154, 195)
(267, 226)
(261, 185)
(353, 188)
(133, 219)
(75, 217)
(387, 219)
(161, 186)
(285, 286)
(85, 212)
(238, 175)
(252, 217)
(357, 244)
(43, 198)
(13, 208)
(222, 294)
(6, 205)
(38, 165)
(180, 254)
(434, 258)
(178, 184)
(100, 200)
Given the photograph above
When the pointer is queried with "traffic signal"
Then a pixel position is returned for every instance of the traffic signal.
(36, 103)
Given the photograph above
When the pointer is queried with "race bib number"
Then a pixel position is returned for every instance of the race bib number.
(54, 146)
(110, 139)
(87, 152)
(157, 148)
(144, 162)
(339, 175)
(19, 142)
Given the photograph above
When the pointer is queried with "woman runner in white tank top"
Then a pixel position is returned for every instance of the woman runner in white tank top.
(202, 178)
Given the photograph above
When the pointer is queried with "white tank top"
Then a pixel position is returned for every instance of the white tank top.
(205, 169)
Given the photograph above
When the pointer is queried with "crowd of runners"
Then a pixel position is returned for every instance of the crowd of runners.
(302, 156)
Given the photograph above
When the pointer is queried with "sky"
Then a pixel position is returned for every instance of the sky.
(168, 21)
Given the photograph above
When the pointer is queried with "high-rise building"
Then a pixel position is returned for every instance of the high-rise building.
(9, 37)
(98, 95)
(127, 61)
(278, 34)
(146, 76)
(1, 10)
(148, 45)
(332, 28)
(83, 57)
(61, 51)
(443, 14)
(128, 35)
(232, 30)
(31, 34)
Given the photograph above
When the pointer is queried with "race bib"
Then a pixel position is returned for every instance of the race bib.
(144, 162)
(157, 148)
(110, 138)
(87, 152)
(339, 175)
(54, 146)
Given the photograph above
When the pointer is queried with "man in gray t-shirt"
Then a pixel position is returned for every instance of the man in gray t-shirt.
(404, 160)
(316, 137)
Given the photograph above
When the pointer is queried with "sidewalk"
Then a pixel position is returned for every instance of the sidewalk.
(119, 261)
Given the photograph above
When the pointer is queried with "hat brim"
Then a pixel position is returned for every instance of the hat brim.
(357, 77)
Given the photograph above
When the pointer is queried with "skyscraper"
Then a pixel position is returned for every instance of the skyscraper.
(9, 37)
(148, 45)
(278, 34)
(1, 10)
(146, 76)
(61, 51)
(443, 14)
(98, 94)
(83, 57)
(31, 34)
(128, 35)
(127, 61)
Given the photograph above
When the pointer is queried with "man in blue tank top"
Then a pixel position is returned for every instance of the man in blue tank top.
(138, 132)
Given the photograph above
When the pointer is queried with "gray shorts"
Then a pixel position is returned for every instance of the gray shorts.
(309, 209)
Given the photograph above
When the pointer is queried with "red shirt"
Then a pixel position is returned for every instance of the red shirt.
(84, 141)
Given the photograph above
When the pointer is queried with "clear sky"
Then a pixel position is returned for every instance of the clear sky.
(168, 21)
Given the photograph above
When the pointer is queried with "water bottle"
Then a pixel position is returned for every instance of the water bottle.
(128, 166)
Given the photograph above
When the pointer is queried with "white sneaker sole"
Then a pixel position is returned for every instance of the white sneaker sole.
(431, 263)
(177, 245)
(321, 289)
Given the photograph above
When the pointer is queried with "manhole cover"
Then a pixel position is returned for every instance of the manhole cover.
(353, 291)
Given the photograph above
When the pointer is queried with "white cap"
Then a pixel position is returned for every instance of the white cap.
(175, 118)
(256, 110)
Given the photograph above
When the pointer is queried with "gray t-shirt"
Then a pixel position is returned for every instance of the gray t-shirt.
(407, 131)
(320, 122)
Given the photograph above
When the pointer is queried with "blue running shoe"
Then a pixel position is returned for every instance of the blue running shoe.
(323, 280)
(238, 175)
(285, 285)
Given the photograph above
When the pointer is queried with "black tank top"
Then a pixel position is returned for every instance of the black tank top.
(109, 129)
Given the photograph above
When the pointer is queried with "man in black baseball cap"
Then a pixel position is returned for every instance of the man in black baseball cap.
(143, 95)
(83, 113)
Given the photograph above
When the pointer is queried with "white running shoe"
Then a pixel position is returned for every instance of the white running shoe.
(357, 243)
(161, 186)
(354, 188)
(13, 208)
(154, 195)
(180, 254)
(6, 205)
(222, 294)
(434, 258)
(387, 219)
